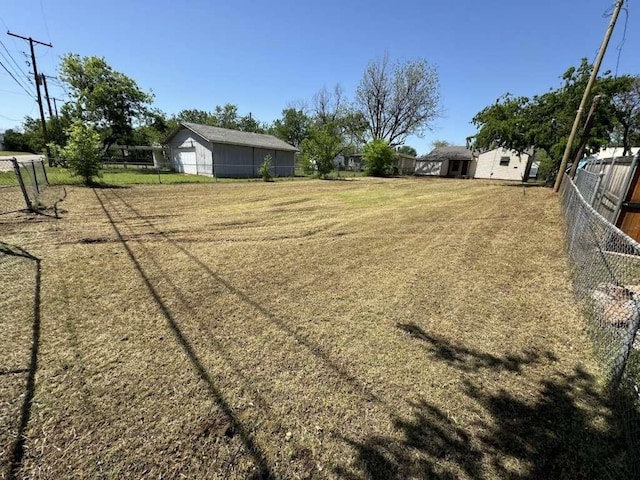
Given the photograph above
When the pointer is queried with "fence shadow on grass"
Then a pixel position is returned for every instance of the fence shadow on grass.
(310, 346)
(263, 469)
(550, 436)
(17, 449)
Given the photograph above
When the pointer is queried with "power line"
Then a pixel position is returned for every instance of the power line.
(624, 38)
(11, 119)
(12, 76)
(17, 70)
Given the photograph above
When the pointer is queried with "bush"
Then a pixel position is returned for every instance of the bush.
(83, 152)
(265, 168)
(380, 159)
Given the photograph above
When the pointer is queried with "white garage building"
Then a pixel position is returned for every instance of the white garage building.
(213, 151)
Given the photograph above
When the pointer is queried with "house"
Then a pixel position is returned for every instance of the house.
(613, 152)
(220, 152)
(406, 164)
(504, 164)
(449, 161)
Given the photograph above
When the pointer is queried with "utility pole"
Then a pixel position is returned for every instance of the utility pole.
(55, 105)
(46, 93)
(585, 135)
(587, 91)
(37, 79)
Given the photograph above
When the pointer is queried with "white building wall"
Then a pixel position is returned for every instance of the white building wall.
(488, 165)
(186, 139)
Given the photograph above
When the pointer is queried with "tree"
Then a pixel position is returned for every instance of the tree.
(293, 127)
(407, 150)
(440, 143)
(379, 157)
(321, 148)
(627, 112)
(197, 116)
(543, 122)
(399, 100)
(16, 141)
(106, 99)
(83, 151)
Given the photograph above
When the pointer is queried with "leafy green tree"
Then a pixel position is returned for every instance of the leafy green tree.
(440, 143)
(399, 100)
(154, 129)
(16, 141)
(407, 150)
(321, 148)
(108, 100)
(380, 158)
(293, 127)
(544, 121)
(197, 116)
(627, 111)
(83, 151)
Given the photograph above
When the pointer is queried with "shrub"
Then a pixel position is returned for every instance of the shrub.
(83, 152)
(379, 157)
(265, 168)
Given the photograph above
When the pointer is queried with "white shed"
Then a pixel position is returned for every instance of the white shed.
(503, 164)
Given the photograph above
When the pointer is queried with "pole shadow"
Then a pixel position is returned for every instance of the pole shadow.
(310, 346)
(263, 468)
(18, 448)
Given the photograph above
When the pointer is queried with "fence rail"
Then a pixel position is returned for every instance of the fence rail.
(22, 184)
(606, 282)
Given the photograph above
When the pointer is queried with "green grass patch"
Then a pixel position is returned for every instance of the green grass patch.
(147, 176)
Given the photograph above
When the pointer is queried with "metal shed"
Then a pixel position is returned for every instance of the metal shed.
(220, 152)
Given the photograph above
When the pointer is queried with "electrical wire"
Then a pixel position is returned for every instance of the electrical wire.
(14, 61)
(624, 38)
(12, 76)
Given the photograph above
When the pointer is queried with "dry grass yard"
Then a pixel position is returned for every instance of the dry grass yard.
(365, 328)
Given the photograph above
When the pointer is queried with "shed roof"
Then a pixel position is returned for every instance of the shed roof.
(449, 153)
(234, 137)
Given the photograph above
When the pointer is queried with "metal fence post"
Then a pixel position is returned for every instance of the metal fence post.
(35, 177)
(44, 172)
(594, 195)
(16, 169)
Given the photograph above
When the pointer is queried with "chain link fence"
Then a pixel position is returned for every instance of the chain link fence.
(22, 184)
(606, 282)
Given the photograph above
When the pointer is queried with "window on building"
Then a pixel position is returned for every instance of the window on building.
(504, 161)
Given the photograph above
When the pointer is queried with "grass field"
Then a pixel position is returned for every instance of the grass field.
(364, 328)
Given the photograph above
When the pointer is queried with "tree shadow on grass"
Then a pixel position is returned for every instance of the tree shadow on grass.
(472, 360)
(569, 430)
(17, 450)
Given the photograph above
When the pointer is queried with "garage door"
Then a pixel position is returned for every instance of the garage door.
(187, 160)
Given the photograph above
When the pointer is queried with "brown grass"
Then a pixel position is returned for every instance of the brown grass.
(357, 329)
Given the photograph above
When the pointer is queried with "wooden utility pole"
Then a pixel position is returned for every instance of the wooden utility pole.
(55, 105)
(585, 135)
(37, 79)
(46, 93)
(587, 91)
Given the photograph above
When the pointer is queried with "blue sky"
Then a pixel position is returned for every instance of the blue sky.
(263, 55)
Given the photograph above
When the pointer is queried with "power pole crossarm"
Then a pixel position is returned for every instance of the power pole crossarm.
(587, 91)
(37, 79)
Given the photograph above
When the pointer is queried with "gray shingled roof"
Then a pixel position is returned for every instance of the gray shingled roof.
(450, 153)
(236, 137)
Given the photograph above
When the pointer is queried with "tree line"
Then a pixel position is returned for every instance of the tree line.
(542, 123)
(392, 101)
